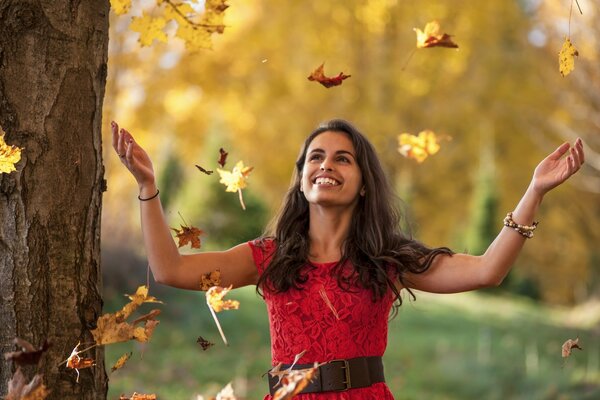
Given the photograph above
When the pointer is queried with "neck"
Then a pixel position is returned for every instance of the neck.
(328, 229)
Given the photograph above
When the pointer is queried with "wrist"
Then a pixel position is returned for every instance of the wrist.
(147, 189)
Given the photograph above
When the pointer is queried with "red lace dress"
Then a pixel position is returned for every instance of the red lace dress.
(351, 326)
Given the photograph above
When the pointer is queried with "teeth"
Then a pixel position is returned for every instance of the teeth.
(326, 181)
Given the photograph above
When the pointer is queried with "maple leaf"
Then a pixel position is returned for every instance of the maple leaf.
(28, 354)
(294, 381)
(149, 28)
(214, 299)
(75, 362)
(121, 361)
(431, 37)
(194, 38)
(19, 389)
(207, 172)
(418, 147)
(569, 345)
(235, 180)
(189, 234)
(566, 57)
(222, 157)
(205, 344)
(319, 76)
(9, 155)
(120, 7)
(210, 279)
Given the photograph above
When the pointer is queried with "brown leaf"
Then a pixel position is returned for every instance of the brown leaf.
(19, 389)
(319, 76)
(207, 172)
(75, 362)
(569, 345)
(205, 344)
(431, 37)
(28, 354)
(294, 381)
(222, 157)
(210, 279)
(121, 361)
(138, 396)
(189, 234)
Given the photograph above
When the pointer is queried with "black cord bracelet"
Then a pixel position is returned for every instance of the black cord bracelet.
(149, 198)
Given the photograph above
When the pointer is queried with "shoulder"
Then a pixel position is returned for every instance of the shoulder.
(263, 249)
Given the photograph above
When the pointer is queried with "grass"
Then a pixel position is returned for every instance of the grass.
(449, 347)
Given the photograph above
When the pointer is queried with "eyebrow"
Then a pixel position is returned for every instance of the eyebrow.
(317, 150)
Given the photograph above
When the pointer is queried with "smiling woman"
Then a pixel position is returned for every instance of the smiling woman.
(334, 260)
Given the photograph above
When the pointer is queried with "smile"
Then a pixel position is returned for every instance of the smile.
(326, 182)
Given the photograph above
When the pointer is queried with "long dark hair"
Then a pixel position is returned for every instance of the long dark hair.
(376, 247)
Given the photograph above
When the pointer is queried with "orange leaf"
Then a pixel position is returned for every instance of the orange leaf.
(319, 76)
(75, 362)
(189, 234)
(121, 361)
(419, 147)
(569, 345)
(431, 37)
(210, 279)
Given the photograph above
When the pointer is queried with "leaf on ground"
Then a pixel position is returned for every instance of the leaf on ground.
(431, 37)
(419, 147)
(20, 389)
(121, 361)
(205, 344)
(569, 345)
(75, 362)
(189, 234)
(120, 7)
(222, 157)
(210, 279)
(566, 57)
(9, 155)
(28, 354)
(149, 28)
(318, 75)
(204, 170)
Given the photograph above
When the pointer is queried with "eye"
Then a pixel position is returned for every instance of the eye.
(343, 159)
(314, 156)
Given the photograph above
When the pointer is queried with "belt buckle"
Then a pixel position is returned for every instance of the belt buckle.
(346, 367)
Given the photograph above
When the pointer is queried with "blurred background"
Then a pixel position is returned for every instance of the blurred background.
(500, 98)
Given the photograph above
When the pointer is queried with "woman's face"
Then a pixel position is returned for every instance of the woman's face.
(331, 176)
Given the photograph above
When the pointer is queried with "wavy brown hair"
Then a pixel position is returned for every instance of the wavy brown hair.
(376, 247)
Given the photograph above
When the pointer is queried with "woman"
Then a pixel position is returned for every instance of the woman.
(335, 260)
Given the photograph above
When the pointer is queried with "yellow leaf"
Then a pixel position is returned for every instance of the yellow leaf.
(214, 298)
(236, 179)
(180, 12)
(195, 38)
(9, 155)
(149, 28)
(121, 361)
(431, 37)
(418, 147)
(120, 7)
(566, 57)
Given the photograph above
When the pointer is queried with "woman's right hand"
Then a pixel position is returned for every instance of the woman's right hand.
(133, 156)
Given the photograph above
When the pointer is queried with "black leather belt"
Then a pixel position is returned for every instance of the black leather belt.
(338, 375)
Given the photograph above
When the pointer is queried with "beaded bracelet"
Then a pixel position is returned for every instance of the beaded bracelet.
(524, 230)
(149, 198)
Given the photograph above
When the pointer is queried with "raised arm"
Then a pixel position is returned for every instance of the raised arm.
(167, 264)
(463, 272)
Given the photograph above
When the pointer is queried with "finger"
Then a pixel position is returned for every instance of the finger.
(579, 147)
(121, 148)
(560, 151)
(114, 127)
(571, 168)
(576, 157)
(129, 150)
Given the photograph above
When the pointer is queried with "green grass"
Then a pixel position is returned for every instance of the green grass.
(448, 347)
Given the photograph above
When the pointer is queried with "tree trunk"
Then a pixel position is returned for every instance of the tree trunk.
(53, 57)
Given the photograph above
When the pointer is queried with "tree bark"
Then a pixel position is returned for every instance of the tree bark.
(53, 56)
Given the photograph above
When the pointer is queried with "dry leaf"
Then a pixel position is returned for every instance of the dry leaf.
(28, 354)
(569, 345)
(146, 317)
(207, 172)
(222, 157)
(214, 298)
(226, 393)
(566, 57)
(138, 396)
(205, 344)
(319, 76)
(19, 389)
(294, 381)
(189, 234)
(431, 37)
(235, 180)
(9, 155)
(121, 361)
(419, 147)
(75, 362)
(210, 279)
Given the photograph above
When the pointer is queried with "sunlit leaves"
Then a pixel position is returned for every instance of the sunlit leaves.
(120, 6)
(9, 155)
(418, 147)
(566, 57)
(318, 75)
(431, 37)
(236, 180)
(149, 28)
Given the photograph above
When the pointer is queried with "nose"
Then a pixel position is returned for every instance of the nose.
(325, 167)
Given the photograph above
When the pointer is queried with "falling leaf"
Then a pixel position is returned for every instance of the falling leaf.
(207, 172)
(9, 155)
(138, 396)
(431, 37)
(222, 157)
(120, 7)
(214, 299)
(569, 345)
(566, 57)
(189, 234)
(112, 328)
(121, 361)
(205, 344)
(293, 382)
(75, 362)
(276, 371)
(419, 147)
(19, 389)
(319, 76)
(323, 294)
(28, 354)
(210, 279)
(235, 180)
(226, 393)
(149, 28)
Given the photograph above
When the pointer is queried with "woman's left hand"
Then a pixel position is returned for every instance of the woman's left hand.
(555, 169)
